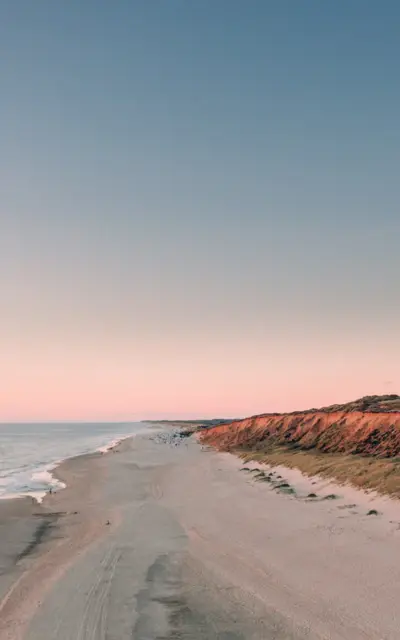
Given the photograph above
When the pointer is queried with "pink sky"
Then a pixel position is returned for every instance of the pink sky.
(193, 378)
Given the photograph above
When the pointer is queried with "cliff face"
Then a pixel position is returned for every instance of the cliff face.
(369, 426)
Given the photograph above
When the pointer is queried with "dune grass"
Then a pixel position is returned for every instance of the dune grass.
(370, 473)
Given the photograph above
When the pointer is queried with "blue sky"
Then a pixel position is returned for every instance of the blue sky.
(199, 206)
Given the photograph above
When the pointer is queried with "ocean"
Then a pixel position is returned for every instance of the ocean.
(29, 452)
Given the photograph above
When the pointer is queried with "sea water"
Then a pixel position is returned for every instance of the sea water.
(30, 452)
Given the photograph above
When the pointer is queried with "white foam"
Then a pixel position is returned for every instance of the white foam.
(27, 466)
(42, 477)
(114, 443)
(36, 495)
(45, 476)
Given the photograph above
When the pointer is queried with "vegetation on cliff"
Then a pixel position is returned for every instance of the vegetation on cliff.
(357, 442)
(369, 426)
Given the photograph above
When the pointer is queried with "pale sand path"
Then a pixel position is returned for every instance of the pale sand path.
(198, 550)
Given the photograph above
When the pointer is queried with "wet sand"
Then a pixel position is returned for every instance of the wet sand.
(159, 541)
(39, 541)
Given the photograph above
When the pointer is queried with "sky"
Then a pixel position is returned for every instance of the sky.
(199, 206)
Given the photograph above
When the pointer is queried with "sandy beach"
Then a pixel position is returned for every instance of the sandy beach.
(160, 539)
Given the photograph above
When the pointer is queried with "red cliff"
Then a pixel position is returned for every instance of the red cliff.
(369, 426)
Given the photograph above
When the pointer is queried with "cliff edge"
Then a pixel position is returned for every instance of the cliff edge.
(369, 426)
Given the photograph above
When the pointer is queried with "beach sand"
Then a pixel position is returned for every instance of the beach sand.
(154, 541)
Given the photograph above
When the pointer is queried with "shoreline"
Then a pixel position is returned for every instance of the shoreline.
(55, 484)
(41, 539)
(163, 538)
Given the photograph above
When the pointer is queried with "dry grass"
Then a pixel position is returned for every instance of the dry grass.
(379, 474)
